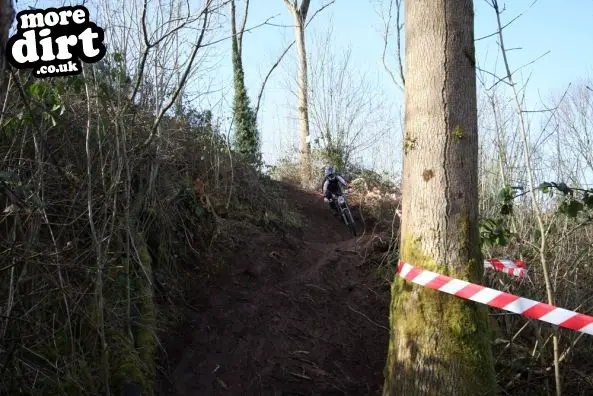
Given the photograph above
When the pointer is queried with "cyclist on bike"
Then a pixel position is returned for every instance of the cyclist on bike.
(332, 184)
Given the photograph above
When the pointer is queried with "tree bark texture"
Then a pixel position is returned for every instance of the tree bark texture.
(439, 344)
(7, 15)
(303, 102)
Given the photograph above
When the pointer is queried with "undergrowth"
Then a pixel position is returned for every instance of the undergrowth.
(100, 231)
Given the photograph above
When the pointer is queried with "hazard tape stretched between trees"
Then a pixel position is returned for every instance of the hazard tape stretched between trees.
(509, 267)
(497, 299)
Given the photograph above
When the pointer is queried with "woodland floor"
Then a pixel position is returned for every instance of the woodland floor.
(294, 313)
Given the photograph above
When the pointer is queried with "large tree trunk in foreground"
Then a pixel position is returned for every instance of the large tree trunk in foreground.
(439, 344)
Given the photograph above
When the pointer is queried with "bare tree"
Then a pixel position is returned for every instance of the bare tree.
(439, 344)
(299, 14)
(349, 112)
(283, 54)
(161, 45)
(575, 129)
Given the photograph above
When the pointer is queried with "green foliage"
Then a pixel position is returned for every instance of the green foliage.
(572, 203)
(506, 196)
(46, 104)
(571, 207)
(332, 150)
(9, 126)
(494, 230)
(573, 200)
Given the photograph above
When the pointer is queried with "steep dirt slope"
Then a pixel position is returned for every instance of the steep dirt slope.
(296, 314)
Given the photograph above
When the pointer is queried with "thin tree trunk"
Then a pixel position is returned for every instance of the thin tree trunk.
(7, 15)
(532, 188)
(299, 14)
(303, 103)
(439, 344)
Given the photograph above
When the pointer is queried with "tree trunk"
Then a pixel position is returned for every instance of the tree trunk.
(299, 14)
(303, 102)
(439, 344)
(246, 135)
(7, 15)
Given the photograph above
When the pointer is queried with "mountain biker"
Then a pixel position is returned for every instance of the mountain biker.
(331, 184)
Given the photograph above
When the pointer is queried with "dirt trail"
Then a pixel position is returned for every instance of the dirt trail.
(299, 315)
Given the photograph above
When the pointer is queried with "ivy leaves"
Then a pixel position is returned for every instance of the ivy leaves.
(506, 196)
(573, 200)
(50, 105)
(494, 231)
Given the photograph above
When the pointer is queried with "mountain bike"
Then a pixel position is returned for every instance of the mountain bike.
(343, 210)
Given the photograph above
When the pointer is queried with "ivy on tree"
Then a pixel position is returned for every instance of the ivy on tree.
(246, 134)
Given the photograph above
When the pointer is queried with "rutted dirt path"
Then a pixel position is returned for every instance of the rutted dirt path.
(300, 314)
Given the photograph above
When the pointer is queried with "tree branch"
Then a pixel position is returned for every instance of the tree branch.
(275, 65)
(181, 84)
(386, 42)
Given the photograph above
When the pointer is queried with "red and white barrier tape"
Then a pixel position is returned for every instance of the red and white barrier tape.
(494, 298)
(510, 267)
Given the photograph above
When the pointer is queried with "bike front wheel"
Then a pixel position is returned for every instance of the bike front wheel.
(351, 224)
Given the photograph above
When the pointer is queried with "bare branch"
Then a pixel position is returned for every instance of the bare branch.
(211, 43)
(181, 84)
(275, 65)
(531, 62)
(399, 52)
(263, 86)
(323, 7)
(502, 28)
(386, 43)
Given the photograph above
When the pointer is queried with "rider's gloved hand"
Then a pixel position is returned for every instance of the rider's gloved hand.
(325, 199)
